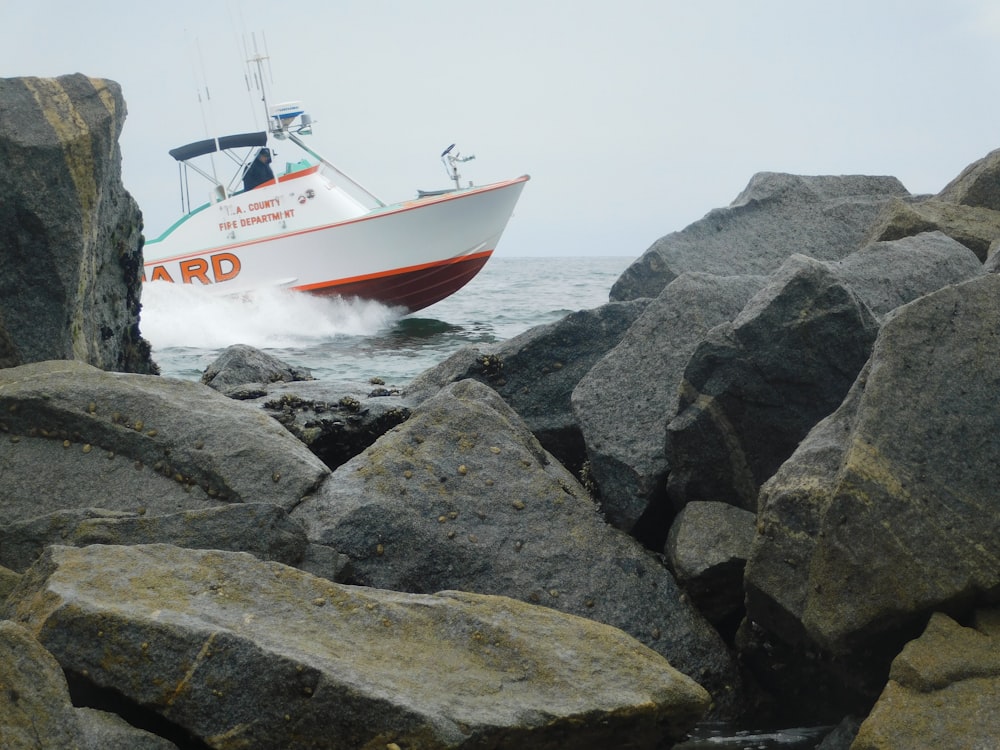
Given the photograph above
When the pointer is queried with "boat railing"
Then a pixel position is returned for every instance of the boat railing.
(337, 176)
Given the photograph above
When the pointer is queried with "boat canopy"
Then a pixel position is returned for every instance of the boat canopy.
(211, 145)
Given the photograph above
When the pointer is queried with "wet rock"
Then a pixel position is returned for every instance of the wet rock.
(842, 735)
(240, 365)
(943, 690)
(70, 235)
(624, 435)
(179, 632)
(335, 421)
(128, 442)
(755, 387)
(462, 496)
(824, 217)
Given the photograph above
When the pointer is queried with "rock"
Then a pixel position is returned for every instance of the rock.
(536, 372)
(70, 235)
(886, 275)
(943, 692)
(239, 365)
(263, 530)
(707, 549)
(335, 421)
(624, 402)
(126, 442)
(103, 730)
(992, 264)
(462, 496)
(977, 185)
(974, 227)
(842, 735)
(887, 511)
(35, 708)
(824, 217)
(755, 387)
(246, 654)
(8, 580)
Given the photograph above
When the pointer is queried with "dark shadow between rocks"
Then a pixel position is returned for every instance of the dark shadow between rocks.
(85, 694)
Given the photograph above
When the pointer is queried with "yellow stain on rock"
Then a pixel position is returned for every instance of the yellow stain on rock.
(872, 470)
(74, 135)
(104, 93)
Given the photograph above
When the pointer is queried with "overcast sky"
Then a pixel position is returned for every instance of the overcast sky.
(634, 118)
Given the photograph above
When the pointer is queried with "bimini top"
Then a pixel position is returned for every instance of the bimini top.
(211, 145)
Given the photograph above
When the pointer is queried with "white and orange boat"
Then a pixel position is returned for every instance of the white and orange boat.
(314, 229)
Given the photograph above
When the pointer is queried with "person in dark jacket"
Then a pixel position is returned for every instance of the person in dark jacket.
(259, 171)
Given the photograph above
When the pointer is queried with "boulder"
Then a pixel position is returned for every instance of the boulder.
(888, 509)
(707, 550)
(263, 530)
(943, 690)
(886, 275)
(824, 217)
(240, 365)
(973, 226)
(127, 442)
(977, 185)
(241, 653)
(755, 387)
(35, 707)
(536, 372)
(624, 402)
(70, 235)
(462, 496)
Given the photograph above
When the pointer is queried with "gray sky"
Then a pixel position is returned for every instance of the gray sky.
(634, 118)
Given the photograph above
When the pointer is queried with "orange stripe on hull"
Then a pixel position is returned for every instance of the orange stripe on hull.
(414, 288)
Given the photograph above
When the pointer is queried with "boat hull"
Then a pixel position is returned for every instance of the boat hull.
(407, 255)
(411, 288)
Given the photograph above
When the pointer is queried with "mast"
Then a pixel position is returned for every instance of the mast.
(279, 126)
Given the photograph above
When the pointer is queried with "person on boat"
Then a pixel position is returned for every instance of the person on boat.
(259, 170)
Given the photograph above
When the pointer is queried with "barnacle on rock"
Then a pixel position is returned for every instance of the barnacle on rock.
(490, 365)
(350, 404)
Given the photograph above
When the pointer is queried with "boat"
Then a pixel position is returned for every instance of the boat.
(312, 228)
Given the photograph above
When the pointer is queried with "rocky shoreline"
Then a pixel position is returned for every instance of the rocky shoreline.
(757, 483)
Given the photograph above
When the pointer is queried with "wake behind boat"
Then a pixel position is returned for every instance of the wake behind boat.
(312, 228)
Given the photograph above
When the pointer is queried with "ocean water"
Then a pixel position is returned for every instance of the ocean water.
(355, 341)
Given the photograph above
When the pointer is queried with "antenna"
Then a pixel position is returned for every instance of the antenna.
(204, 105)
(255, 69)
